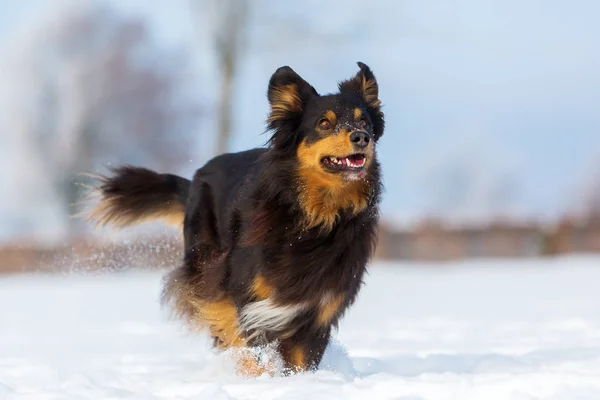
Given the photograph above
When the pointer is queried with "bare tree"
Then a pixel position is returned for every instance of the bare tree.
(104, 93)
(229, 25)
(228, 31)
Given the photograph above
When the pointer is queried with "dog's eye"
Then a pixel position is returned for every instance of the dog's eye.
(324, 123)
(362, 123)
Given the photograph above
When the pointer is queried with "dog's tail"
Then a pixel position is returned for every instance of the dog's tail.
(132, 195)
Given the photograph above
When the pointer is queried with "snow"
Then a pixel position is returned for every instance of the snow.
(521, 329)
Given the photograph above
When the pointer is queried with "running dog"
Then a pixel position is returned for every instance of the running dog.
(277, 239)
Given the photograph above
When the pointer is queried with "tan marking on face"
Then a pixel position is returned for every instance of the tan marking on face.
(324, 194)
(357, 114)
(328, 308)
(330, 115)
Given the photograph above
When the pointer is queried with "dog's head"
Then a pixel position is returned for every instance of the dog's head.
(334, 134)
(332, 137)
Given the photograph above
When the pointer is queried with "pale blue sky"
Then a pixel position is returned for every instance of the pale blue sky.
(508, 88)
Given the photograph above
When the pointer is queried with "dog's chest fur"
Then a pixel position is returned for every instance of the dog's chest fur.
(307, 278)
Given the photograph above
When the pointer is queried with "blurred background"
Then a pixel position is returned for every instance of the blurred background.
(492, 146)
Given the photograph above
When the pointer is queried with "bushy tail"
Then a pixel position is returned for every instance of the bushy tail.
(133, 195)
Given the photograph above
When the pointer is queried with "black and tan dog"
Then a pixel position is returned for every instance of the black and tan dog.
(277, 239)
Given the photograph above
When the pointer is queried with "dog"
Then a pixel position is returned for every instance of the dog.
(276, 239)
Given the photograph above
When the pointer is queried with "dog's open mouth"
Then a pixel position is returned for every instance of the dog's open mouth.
(353, 162)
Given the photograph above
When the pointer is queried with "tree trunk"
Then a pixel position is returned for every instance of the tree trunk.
(229, 44)
(224, 129)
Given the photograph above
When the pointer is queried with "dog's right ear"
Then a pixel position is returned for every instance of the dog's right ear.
(288, 94)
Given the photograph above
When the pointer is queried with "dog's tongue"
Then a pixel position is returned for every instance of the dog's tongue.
(354, 161)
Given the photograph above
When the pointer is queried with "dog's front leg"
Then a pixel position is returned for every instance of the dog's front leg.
(304, 350)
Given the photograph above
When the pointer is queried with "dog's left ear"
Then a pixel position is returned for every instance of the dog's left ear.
(365, 85)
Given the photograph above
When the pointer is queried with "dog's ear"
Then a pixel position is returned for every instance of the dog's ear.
(365, 85)
(288, 94)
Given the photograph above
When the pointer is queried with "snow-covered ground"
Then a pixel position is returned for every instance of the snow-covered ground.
(479, 330)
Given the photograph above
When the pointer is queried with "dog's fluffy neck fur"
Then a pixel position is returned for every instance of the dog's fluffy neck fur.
(282, 185)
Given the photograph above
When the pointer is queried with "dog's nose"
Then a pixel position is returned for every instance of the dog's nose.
(360, 139)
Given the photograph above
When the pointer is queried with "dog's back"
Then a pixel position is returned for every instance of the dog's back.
(222, 179)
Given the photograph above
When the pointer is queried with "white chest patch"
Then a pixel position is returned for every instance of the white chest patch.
(266, 315)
